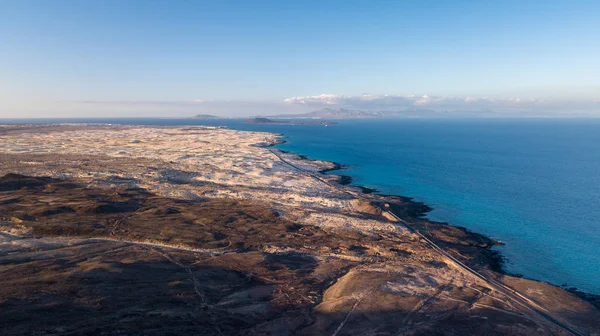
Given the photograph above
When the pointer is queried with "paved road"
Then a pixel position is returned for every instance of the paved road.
(496, 285)
(536, 311)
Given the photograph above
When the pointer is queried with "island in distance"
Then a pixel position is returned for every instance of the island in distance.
(346, 113)
(206, 116)
(261, 120)
(318, 116)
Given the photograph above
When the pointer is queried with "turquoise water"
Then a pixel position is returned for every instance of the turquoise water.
(533, 184)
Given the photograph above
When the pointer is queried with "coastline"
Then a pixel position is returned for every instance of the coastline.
(288, 245)
(411, 208)
(416, 210)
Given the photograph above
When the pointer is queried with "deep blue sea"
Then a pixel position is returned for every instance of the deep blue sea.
(531, 183)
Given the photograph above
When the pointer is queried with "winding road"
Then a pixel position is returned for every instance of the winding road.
(536, 312)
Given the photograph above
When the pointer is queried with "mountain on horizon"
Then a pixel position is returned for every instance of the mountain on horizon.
(343, 113)
(333, 113)
(207, 116)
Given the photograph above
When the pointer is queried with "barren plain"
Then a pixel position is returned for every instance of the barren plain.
(126, 230)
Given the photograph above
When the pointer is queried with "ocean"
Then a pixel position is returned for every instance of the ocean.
(533, 184)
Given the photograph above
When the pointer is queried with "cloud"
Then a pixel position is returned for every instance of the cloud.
(326, 99)
(445, 103)
(509, 106)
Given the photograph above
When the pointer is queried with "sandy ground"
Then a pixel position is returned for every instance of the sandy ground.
(294, 252)
(186, 163)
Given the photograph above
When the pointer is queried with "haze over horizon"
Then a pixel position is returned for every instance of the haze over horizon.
(233, 58)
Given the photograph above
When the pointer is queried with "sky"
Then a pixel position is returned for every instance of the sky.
(154, 58)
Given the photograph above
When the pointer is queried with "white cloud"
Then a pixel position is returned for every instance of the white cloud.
(445, 103)
(513, 106)
(326, 99)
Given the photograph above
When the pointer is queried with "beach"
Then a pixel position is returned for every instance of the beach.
(215, 231)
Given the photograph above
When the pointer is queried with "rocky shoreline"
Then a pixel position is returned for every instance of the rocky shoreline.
(416, 210)
(152, 230)
(413, 210)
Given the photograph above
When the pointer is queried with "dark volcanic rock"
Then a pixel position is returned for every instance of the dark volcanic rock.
(15, 182)
(158, 266)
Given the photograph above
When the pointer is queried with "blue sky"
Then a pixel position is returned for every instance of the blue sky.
(177, 58)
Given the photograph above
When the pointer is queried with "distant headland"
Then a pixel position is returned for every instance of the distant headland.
(206, 116)
(261, 120)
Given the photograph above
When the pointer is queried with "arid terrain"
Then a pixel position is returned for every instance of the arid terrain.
(126, 230)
